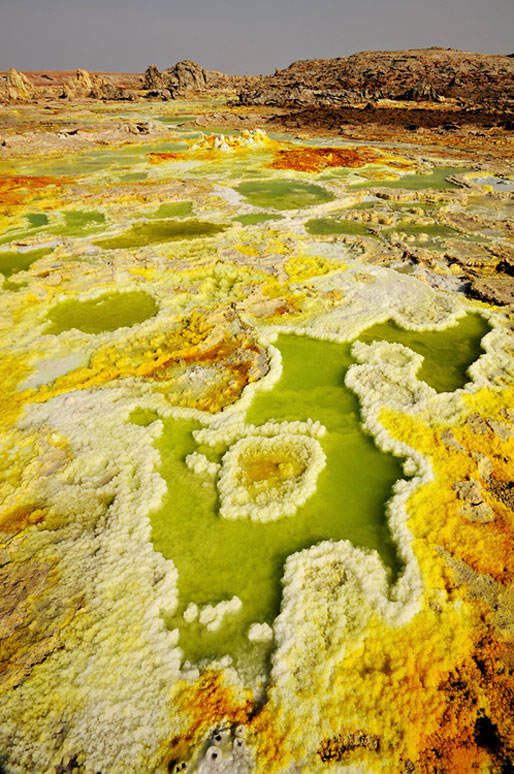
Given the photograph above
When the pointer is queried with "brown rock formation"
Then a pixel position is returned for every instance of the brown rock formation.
(79, 86)
(417, 75)
(15, 87)
(85, 84)
(186, 76)
(494, 290)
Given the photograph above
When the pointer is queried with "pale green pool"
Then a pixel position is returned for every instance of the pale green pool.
(324, 226)
(159, 231)
(217, 559)
(104, 313)
(12, 261)
(447, 354)
(437, 181)
(254, 218)
(284, 194)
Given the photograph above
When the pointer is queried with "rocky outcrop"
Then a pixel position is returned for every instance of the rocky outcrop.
(79, 86)
(15, 87)
(417, 75)
(184, 77)
(87, 85)
(494, 290)
(103, 89)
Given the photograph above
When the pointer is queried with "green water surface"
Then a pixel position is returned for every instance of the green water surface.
(104, 313)
(12, 261)
(447, 354)
(79, 223)
(437, 181)
(36, 219)
(322, 226)
(217, 558)
(158, 231)
(284, 194)
(434, 230)
(173, 210)
(254, 218)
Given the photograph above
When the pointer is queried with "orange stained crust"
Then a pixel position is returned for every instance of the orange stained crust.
(304, 159)
(160, 158)
(16, 519)
(477, 722)
(196, 342)
(15, 190)
(206, 704)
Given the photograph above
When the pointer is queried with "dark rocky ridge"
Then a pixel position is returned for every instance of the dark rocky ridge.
(416, 75)
(187, 77)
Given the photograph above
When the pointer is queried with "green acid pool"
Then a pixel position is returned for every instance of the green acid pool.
(433, 230)
(217, 558)
(254, 218)
(13, 261)
(104, 313)
(159, 231)
(447, 354)
(436, 180)
(325, 226)
(284, 194)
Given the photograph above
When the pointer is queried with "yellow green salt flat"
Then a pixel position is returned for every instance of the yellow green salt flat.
(246, 559)
(224, 435)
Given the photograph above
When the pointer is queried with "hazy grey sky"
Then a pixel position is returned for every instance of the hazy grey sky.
(238, 36)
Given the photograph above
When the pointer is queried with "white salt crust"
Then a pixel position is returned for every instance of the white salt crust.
(260, 632)
(212, 616)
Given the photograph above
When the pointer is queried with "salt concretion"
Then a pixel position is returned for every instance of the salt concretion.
(249, 139)
(264, 479)
(256, 471)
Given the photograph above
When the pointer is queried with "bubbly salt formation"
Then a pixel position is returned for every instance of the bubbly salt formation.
(117, 439)
(264, 479)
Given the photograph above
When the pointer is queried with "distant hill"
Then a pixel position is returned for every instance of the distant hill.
(433, 74)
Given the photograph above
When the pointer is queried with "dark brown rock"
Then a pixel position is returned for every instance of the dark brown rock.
(417, 75)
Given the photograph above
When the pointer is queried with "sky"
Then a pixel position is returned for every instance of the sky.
(237, 36)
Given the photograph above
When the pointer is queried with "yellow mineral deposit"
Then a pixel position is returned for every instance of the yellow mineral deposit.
(256, 474)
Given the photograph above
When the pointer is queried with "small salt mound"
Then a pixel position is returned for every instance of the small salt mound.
(264, 479)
